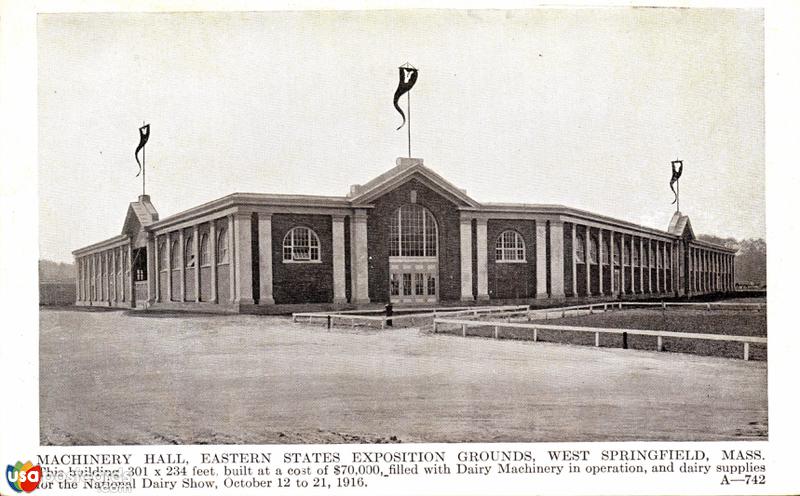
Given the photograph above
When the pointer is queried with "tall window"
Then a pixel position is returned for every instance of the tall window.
(301, 244)
(593, 250)
(617, 248)
(163, 260)
(580, 248)
(646, 255)
(412, 232)
(510, 247)
(627, 250)
(222, 246)
(604, 252)
(188, 253)
(174, 254)
(204, 261)
(635, 253)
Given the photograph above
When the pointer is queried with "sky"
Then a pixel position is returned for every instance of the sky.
(579, 107)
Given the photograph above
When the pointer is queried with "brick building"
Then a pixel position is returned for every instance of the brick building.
(408, 236)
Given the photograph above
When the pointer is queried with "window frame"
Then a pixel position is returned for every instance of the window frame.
(189, 255)
(501, 248)
(221, 250)
(594, 248)
(312, 239)
(163, 256)
(426, 234)
(204, 254)
(580, 248)
(175, 251)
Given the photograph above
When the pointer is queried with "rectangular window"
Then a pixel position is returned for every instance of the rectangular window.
(431, 285)
(406, 284)
(604, 252)
(419, 284)
(394, 284)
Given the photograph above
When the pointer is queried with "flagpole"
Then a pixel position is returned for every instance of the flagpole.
(409, 123)
(144, 165)
(678, 206)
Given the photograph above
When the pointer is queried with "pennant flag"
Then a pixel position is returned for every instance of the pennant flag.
(144, 135)
(677, 170)
(408, 76)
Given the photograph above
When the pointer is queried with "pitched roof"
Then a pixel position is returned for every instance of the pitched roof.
(680, 225)
(141, 211)
(402, 172)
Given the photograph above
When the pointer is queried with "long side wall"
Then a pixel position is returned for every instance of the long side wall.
(232, 260)
(103, 277)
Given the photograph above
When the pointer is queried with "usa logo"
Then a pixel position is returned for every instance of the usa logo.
(23, 477)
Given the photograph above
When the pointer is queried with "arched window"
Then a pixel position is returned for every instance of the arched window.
(580, 248)
(222, 246)
(412, 232)
(510, 247)
(174, 254)
(188, 252)
(593, 250)
(300, 244)
(163, 260)
(204, 261)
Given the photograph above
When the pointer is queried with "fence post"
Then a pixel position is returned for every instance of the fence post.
(597, 339)
(329, 322)
(660, 343)
(747, 351)
(535, 334)
(294, 319)
(435, 326)
(605, 307)
(464, 330)
(620, 305)
(495, 332)
(708, 306)
(624, 340)
(591, 309)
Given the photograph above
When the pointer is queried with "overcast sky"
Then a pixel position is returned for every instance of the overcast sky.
(581, 107)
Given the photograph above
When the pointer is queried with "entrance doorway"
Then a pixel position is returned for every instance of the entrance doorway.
(413, 256)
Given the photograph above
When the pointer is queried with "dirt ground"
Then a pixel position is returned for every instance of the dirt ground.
(110, 377)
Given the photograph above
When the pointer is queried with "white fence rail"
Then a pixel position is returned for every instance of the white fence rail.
(353, 319)
(660, 335)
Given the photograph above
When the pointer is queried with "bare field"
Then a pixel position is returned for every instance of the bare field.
(113, 377)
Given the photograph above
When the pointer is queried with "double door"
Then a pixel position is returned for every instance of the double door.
(413, 281)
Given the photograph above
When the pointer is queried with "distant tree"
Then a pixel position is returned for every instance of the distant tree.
(751, 257)
(50, 271)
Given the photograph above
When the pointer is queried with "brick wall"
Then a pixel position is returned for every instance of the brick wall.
(512, 280)
(302, 282)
